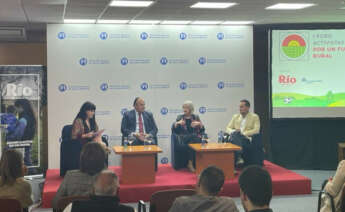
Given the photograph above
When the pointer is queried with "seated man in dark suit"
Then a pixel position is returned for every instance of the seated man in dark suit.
(104, 196)
(139, 123)
(210, 183)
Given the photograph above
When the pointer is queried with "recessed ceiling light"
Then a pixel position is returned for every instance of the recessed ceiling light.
(206, 22)
(116, 3)
(213, 5)
(175, 22)
(112, 21)
(289, 6)
(144, 22)
(237, 22)
(79, 21)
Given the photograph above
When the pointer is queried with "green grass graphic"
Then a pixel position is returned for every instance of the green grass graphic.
(302, 100)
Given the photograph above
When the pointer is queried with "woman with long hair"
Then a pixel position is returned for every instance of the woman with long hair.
(85, 128)
(26, 127)
(12, 183)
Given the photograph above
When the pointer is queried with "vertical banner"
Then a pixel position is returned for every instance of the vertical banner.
(110, 65)
(21, 90)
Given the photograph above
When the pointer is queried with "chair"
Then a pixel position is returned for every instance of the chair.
(342, 204)
(10, 205)
(179, 155)
(254, 154)
(328, 196)
(141, 206)
(65, 201)
(161, 201)
(70, 151)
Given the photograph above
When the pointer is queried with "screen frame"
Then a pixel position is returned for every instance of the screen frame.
(302, 26)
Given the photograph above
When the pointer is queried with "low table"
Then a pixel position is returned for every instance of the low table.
(218, 154)
(138, 163)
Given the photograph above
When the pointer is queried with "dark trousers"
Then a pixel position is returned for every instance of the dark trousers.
(184, 148)
(240, 140)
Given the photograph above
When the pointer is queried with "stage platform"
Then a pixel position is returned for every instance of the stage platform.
(285, 182)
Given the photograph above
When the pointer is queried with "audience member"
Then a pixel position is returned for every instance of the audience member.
(210, 183)
(79, 182)
(255, 189)
(334, 188)
(12, 183)
(104, 196)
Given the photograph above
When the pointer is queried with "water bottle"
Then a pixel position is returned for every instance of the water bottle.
(203, 140)
(125, 142)
(220, 136)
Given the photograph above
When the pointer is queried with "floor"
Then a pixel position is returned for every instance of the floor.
(291, 203)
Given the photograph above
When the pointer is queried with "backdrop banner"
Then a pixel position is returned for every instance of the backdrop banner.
(110, 65)
(21, 92)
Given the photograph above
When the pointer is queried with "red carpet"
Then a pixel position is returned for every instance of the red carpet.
(285, 182)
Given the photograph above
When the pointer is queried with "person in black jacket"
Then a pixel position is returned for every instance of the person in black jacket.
(103, 197)
(189, 129)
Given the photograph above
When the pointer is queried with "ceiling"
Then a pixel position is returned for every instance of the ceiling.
(35, 14)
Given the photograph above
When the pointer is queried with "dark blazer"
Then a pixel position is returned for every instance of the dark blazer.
(128, 123)
(183, 130)
(100, 203)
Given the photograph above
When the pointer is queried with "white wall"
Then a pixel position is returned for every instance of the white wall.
(215, 87)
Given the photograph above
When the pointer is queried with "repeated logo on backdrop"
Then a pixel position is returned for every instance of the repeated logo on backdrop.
(164, 66)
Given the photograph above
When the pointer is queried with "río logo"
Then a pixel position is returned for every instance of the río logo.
(286, 79)
(13, 90)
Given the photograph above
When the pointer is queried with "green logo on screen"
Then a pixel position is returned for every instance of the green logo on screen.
(294, 46)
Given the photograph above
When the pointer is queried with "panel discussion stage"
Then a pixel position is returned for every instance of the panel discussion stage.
(285, 182)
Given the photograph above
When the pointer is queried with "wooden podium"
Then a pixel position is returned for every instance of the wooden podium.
(218, 154)
(138, 163)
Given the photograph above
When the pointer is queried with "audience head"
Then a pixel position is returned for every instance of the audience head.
(11, 166)
(92, 158)
(11, 109)
(87, 111)
(188, 108)
(106, 184)
(211, 181)
(255, 188)
(139, 104)
(244, 106)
